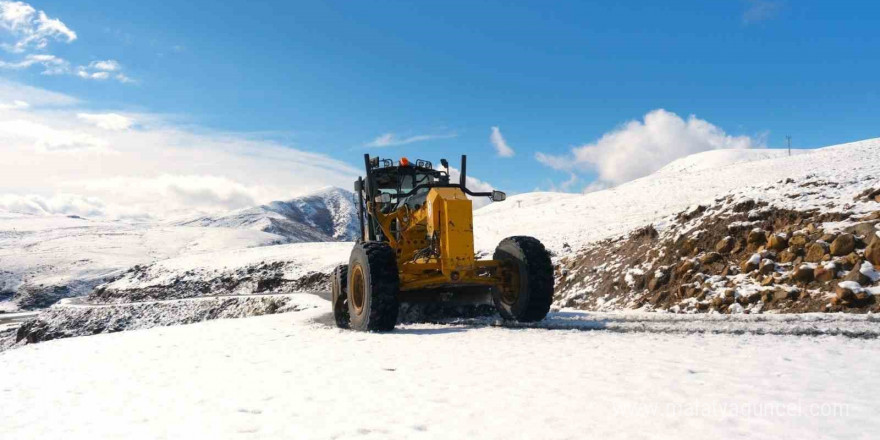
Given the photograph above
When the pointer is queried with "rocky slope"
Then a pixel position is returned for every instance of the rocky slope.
(329, 214)
(738, 255)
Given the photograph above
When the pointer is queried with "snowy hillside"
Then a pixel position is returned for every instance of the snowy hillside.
(559, 219)
(329, 214)
(58, 256)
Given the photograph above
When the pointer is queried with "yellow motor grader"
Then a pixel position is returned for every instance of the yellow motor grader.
(417, 245)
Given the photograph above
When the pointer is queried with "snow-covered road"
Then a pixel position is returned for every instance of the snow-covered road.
(293, 376)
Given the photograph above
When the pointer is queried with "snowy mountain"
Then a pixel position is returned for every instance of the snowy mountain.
(329, 214)
(695, 199)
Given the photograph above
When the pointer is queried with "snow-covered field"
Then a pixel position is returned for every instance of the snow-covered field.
(295, 376)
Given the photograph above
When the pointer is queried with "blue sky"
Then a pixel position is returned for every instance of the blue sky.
(330, 77)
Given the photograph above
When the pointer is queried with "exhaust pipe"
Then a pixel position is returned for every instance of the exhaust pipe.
(463, 175)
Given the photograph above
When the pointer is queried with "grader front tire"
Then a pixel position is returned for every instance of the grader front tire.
(339, 295)
(526, 266)
(373, 285)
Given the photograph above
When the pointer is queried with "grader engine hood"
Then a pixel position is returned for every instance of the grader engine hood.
(450, 219)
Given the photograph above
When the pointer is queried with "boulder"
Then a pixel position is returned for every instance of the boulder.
(767, 266)
(828, 238)
(725, 245)
(816, 252)
(845, 292)
(786, 256)
(803, 274)
(777, 242)
(756, 236)
(872, 253)
(855, 275)
(751, 264)
(823, 274)
(768, 281)
(685, 267)
(658, 280)
(865, 229)
(798, 241)
(843, 245)
(710, 257)
(849, 261)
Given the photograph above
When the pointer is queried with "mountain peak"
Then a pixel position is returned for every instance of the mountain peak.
(326, 214)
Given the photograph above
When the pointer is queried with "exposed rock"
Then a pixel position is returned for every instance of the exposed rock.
(710, 257)
(843, 245)
(828, 238)
(756, 236)
(751, 264)
(777, 242)
(803, 273)
(857, 276)
(767, 266)
(866, 230)
(786, 256)
(658, 280)
(845, 293)
(872, 253)
(685, 267)
(849, 261)
(823, 274)
(816, 252)
(798, 241)
(725, 245)
(768, 281)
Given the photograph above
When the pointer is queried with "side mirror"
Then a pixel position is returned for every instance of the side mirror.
(498, 196)
(444, 163)
(383, 198)
(358, 185)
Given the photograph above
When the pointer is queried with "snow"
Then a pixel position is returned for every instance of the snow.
(755, 259)
(294, 376)
(867, 269)
(327, 214)
(59, 250)
(557, 218)
(853, 286)
(300, 259)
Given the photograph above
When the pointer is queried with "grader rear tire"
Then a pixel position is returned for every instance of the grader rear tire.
(373, 285)
(339, 295)
(529, 272)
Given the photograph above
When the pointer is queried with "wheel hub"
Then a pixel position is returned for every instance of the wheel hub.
(356, 291)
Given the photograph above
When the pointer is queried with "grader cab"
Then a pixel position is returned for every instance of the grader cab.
(417, 245)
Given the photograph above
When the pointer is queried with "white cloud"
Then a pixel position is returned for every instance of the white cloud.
(30, 28)
(107, 121)
(639, 148)
(761, 10)
(500, 144)
(64, 204)
(156, 168)
(103, 70)
(106, 65)
(391, 139)
(52, 65)
(45, 138)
